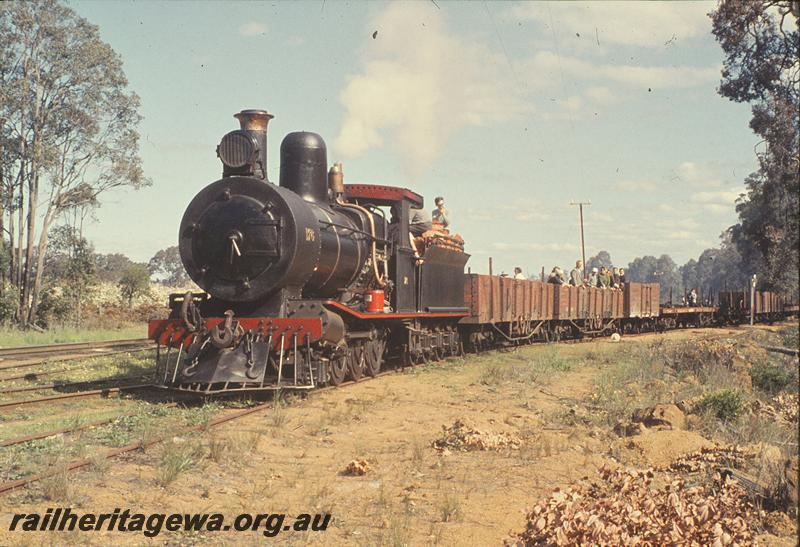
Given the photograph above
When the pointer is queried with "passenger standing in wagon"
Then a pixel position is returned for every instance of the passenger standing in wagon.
(576, 275)
(593, 278)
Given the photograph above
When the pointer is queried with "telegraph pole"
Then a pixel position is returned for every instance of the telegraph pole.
(580, 205)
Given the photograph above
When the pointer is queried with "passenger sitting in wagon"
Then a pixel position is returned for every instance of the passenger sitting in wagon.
(417, 224)
(621, 277)
(518, 273)
(440, 216)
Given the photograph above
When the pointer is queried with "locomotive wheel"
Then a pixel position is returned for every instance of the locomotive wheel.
(356, 362)
(438, 353)
(338, 369)
(374, 356)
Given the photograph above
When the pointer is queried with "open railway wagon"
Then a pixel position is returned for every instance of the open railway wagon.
(734, 307)
(516, 311)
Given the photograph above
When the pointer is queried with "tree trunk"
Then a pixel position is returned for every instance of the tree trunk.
(20, 224)
(30, 240)
(2, 215)
(33, 202)
(42, 251)
(11, 248)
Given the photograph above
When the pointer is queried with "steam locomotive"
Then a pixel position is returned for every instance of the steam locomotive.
(313, 281)
(306, 282)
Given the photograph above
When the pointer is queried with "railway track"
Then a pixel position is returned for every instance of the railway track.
(141, 444)
(28, 356)
(105, 392)
(80, 463)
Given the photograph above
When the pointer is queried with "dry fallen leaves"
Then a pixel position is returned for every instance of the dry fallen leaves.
(357, 467)
(624, 508)
(713, 457)
(782, 408)
(461, 436)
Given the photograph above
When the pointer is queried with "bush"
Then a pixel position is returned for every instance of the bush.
(770, 378)
(54, 307)
(9, 301)
(725, 404)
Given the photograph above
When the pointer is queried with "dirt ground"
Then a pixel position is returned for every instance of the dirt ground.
(291, 458)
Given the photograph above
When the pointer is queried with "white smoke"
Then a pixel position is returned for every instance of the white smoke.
(419, 84)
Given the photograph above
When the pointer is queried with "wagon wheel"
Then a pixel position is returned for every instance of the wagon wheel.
(414, 358)
(374, 356)
(356, 362)
(425, 356)
(337, 369)
(458, 349)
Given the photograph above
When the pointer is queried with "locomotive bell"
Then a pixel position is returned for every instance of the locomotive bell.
(304, 166)
(244, 151)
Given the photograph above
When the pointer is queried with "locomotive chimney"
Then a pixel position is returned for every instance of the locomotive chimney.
(254, 123)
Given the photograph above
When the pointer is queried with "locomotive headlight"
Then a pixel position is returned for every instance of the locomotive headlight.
(238, 150)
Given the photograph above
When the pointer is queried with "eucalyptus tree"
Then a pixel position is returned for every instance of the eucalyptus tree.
(761, 41)
(69, 130)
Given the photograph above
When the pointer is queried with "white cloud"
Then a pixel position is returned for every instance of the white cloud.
(696, 174)
(422, 83)
(681, 234)
(253, 28)
(640, 24)
(658, 77)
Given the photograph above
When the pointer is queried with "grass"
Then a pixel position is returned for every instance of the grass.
(177, 457)
(11, 337)
(56, 488)
(790, 337)
(397, 531)
(521, 367)
(418, 447)
(320, 499)
(218, 448)
(450, 508)
(637, 380)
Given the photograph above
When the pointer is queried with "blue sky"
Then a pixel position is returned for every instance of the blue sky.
(509, 110)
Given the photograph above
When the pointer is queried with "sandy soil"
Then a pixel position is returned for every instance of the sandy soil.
(291, 460)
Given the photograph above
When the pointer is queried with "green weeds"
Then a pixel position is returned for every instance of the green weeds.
(725, 404)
